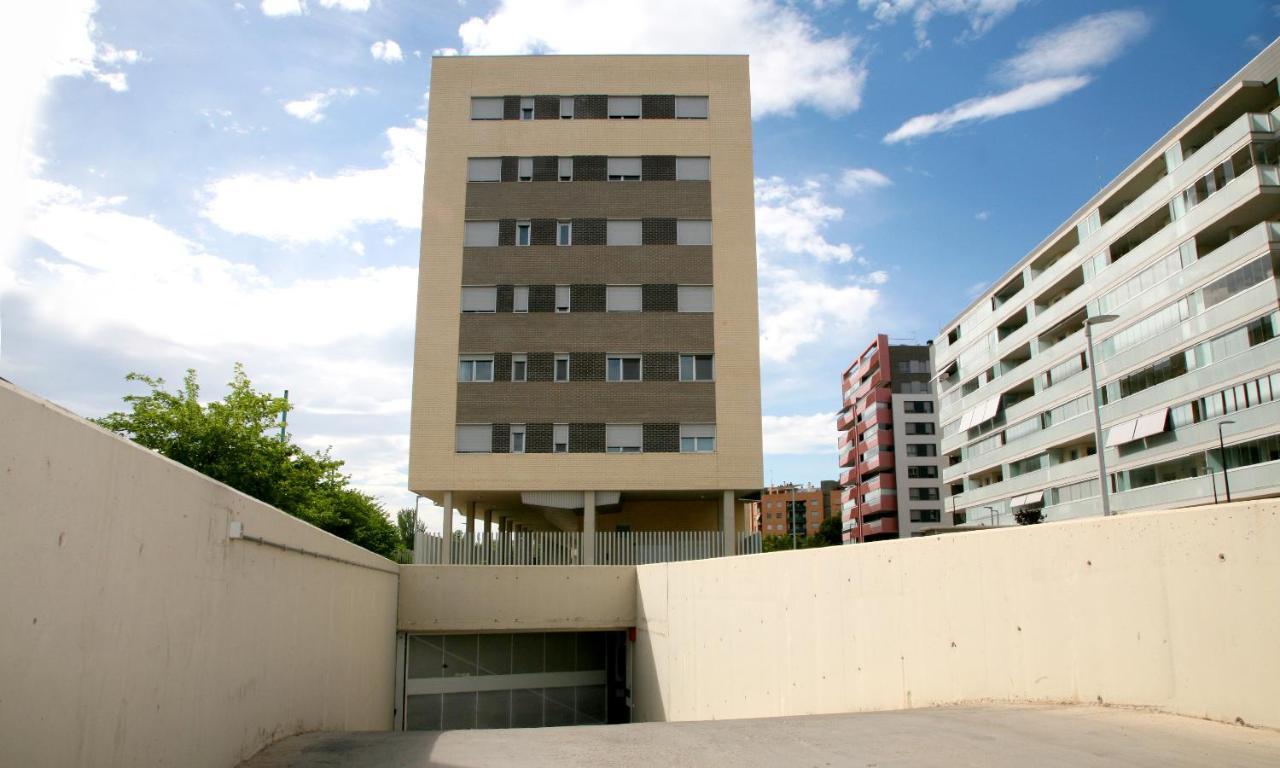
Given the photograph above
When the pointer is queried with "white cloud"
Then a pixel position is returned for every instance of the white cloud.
(313, 106)
(792, 64)
(311, 208)
(801, 306)
(355, 6)
(855, 180)
(815, 433)
(981, 15)
(1086, 44)
(1020, 99)
(386, 50)
(982, 215)
(282, 7)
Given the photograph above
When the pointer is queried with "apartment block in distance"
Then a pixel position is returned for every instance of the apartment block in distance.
(587, 351)
(889, 465)
(792, 507)
(1181, 249)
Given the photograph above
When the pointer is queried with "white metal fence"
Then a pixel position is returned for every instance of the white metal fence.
(565, 547)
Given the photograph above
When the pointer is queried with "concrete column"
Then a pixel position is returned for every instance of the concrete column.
(588, 528)
(727, 523)
(488, 535)
(446, 528)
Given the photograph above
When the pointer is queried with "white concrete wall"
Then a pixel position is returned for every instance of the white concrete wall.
(516, 598)
(134, 633)
(1178, 610)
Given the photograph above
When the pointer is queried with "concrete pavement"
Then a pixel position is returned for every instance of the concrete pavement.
(1045, 736)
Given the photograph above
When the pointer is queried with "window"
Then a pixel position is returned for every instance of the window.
(917, 406)
(622, 232)
(622, 368)
(926, 516)
(484, 169)
(953, 335)
(559, 438)
(474, 438)
(622, 298)
(693, 168)
(564, 169)
(523, 230)
(693, 298)
(624, 107)
(486, 108)
(524, 169)
(562, 298)
(695, 368)
(919, 428)
(566, 107)
(923, 494)
(520, 298)
(562, 368)
(922, 473)
(921, 449)
(479, 298)
(691, 107)
(690, 232)
(526, 108)
(564, 233)
(480, 234)
(623, 438)
(517, 438)
(475, 368)
(520, 367)
(697, 438)
(624, 169)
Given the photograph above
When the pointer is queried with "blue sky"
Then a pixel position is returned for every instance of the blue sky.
(199, 183)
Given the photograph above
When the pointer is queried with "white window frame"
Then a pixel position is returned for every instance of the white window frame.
(694, 169)
(692, 432)
(520, 299)
(556, 430)
(618, 100)
(564, 233)
(526, 103)
(490, 230)
(555, 368)
(520, 357)
(620, 168)
(685, 299)
(487, 292)
(469, 361)
(686, 234)
(699, 106)
(611, 436)
(527, 227)
(561, 162)
(491, 167)
(567, 305)
(569, 101)
(694, 356)
(614, 293)
(524, 164)
(457, 436)
(487, 100)
(517, 429)
(621, 358)
(639, 228)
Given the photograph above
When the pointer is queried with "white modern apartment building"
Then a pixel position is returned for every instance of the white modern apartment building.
(1182, 249)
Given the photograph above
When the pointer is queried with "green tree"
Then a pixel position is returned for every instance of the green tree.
(1029, 516)
(828, 533)
(404, 524)
(234, 441)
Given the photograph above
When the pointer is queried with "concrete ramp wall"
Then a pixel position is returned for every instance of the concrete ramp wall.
(133, 632)
(1179, 611)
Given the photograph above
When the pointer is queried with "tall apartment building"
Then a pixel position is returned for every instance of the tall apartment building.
(800, 508)
(587, 350)
(1181, 249)
(889, 479)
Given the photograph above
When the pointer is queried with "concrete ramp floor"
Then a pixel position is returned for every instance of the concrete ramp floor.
(1041, 736)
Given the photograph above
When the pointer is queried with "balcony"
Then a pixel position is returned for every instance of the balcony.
(880, 526)
(845, 419)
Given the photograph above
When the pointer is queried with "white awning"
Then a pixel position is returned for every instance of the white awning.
(966, 421)
(1027, 500)
(1121, 433)
(1151, 424)
(990, 408)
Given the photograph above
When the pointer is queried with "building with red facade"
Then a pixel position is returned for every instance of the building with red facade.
(774, 514)
(890, 484)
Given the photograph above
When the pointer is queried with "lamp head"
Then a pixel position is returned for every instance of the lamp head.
(1100, 319)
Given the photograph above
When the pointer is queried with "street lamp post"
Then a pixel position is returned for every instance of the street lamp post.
(1089, 322)
(1222, 457)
